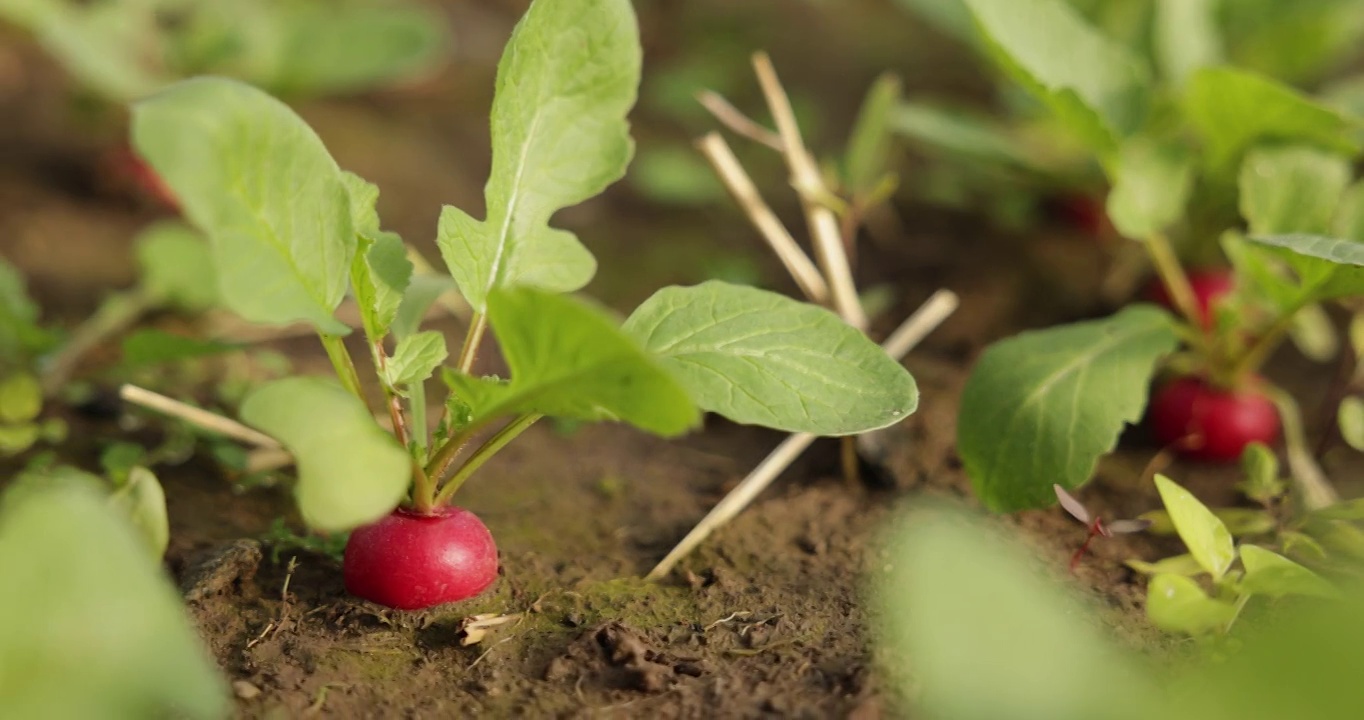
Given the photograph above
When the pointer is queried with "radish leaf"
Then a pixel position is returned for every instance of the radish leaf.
(1293, 189)
(568, 359)
(257, 180)
(350, 471)
(1041, 407)
(109, 617)
(567, 79)
(1203, 533)
(760, 358)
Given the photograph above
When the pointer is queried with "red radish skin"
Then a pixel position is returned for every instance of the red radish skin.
(1203, 422)
(410, 561)
(1209, 286)
(127, 165)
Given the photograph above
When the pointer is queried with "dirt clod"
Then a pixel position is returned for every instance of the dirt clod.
(220, 569)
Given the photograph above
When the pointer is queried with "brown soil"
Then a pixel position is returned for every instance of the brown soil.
(767, 619)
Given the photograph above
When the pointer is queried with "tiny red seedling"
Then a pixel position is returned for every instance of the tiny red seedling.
(1210, 286)
(1096, 524)
(1203, 422)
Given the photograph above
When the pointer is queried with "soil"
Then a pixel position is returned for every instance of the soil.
(767, 619)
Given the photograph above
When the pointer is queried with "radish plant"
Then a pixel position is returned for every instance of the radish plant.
(1042, 407)
(291, 233)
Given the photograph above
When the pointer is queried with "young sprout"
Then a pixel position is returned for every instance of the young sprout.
(1096, 524)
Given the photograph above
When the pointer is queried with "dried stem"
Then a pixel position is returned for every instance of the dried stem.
(732, 118)
(741, 187)
(910, 333)
(198, 417)
(823, 224)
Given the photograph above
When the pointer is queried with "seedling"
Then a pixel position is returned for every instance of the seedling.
(1183, 171)
(292, 233)
(1095, 524)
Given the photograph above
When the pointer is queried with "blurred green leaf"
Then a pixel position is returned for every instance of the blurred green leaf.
(1260, 466)
(177, 267)
(1151, 186)
(1268, 573)
(150, 346)
(106, 636)
(350, 471)
(20, 334)
(1233, 109)
(15, 439)
(1186, 37)
(21, 398)
(967, 609)
(1177, 604)
(674, 174)
(1349, 220)
(1238, 521)
(869, 146)
(1292, 189)
(1314, 334)
(1202, 532)
(325, 48)
(961, 133)
(1093, 85)
(421, 293)
(1323, 268)
(143, 501)
(1184, 565)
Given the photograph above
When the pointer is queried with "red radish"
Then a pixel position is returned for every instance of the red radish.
(1096, 524)
(1209, 285)
(411, 561)
(128, 166)
(1203, 422)
(1085, 213)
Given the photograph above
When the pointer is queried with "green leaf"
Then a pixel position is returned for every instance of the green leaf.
(760, 358)
(15, 439)
(327, 48)
(109, 617)
(143, 502)
(151, 347)
(1344, 510)
(869, 145)
(257, 180)
(970, 135)
(567, 79)
(1349, 220)
(1268, 573)
(1177, 604)
(20, 334)
(1238, 521)
(1093, 84)
(21, 398)
(1151, 186)
(1202, 532)
(1260, 466)
(177, 267)
(1233, 109)
(1184, 565)
(968, 609)
(415, 358)
(107, 47)
(1186, 37)
(568, 359)
(350, 472)
(421, 293)
(1313, 333)
(1291, 189)
(947, 16)
(1041, 407)
(380, 271)
(1324, 268)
